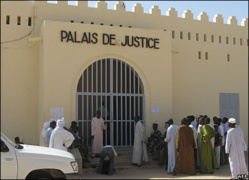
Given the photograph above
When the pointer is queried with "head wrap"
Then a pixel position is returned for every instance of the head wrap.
(46, 125)
(232, 120)
(53, 119)
(60, 123)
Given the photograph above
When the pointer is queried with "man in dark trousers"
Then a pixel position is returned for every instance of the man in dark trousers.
(106, 162)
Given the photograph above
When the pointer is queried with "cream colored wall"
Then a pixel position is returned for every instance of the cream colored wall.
(19, 91)
(192, 80)
(62, 67)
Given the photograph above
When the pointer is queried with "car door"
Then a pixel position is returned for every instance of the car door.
(8, 161)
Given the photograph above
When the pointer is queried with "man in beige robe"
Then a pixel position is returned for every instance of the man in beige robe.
(139, 148)
(98, 126)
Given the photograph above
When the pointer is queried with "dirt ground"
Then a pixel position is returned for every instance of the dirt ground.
(147, 171)
(155, 172)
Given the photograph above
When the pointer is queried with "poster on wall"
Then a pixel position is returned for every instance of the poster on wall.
(60, 111)
(155, 109)
(53, 111)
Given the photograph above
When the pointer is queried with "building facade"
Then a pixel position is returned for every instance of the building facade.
(60, 60)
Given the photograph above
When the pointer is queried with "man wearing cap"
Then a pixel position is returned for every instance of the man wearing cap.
(235, 147)
(61, 138)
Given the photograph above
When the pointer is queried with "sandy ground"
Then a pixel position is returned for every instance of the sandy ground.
(155, 172)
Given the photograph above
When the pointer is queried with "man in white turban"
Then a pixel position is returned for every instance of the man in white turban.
(43, 135)
(61, 138)
(235, 148)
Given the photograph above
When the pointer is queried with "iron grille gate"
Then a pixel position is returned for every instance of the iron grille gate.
(115, 88)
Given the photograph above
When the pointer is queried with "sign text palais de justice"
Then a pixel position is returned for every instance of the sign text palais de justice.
(109, 39)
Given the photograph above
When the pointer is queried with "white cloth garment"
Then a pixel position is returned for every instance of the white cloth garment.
(43, 135)
(225, 128)
(139, 149)
(199, 145)
(236, 147)
(217, 155)
(171, 139)
(212, 139)
(61, 138)
(221, 131)
(194, 133)
(110, 146)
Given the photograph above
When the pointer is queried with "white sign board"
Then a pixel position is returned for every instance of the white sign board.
(53, 111)
(60, 111)
(155, 109)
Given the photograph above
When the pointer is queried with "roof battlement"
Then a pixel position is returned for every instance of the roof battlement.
(155, 10)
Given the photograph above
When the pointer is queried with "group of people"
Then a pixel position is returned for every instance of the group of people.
(193, 146)
(55, 135)
(199, 146)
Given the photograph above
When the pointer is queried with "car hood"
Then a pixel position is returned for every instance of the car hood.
(43, 152)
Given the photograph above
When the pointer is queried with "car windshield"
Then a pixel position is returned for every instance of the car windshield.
(7, 139)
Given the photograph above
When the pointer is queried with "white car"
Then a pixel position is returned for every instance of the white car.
(21, 161)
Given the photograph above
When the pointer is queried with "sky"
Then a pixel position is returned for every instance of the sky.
(239, 9)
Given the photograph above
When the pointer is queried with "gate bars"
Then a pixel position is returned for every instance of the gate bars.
(114, 87)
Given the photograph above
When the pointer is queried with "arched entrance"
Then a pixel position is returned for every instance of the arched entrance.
(115, 88)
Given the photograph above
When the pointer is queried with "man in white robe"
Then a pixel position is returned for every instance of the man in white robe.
(61, 138)
(195, 140)
(43, 135)
(139, 148)
(235, 148)
(171, 140)
(97, 127)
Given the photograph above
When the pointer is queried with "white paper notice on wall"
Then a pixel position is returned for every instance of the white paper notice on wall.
(53, 111)
(60, 111)
(155, 109)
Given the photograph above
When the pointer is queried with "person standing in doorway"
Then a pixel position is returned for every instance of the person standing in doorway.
(139, 149)
(98, 125)
(171, 140)
(104, 111)
(235, 149)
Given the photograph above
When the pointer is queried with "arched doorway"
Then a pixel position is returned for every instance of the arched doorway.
(115, 87)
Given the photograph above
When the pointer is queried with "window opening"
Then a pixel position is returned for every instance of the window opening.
(199, 54)
(18, 20)
(29, 21)
(7, 19)
(189, 36)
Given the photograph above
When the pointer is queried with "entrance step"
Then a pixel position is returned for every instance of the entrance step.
(121, 162)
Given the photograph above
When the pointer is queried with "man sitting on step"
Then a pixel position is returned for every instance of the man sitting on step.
(106, 163)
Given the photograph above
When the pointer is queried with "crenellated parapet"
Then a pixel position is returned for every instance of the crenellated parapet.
(155, 10)
(29, 15)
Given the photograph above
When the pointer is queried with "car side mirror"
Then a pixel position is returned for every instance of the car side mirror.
(4, 148)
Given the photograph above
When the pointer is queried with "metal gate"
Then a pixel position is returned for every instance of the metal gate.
(115, 88)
